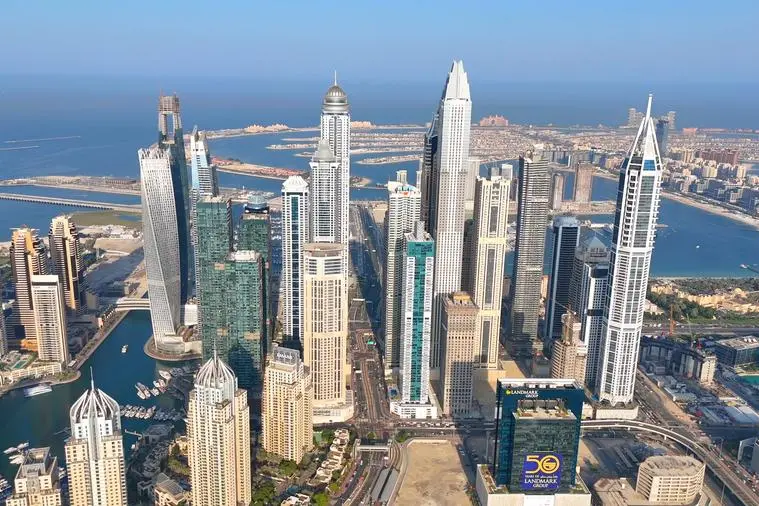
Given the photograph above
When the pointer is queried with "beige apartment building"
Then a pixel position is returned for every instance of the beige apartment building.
(37, 482)
(460, 326)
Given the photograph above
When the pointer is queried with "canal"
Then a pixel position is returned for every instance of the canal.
(41, 419)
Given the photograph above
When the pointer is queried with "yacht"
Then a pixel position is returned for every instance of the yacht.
(124, 348)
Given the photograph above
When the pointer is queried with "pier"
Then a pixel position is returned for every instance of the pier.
(89, 204)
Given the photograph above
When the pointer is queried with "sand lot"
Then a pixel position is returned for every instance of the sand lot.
(434, 476)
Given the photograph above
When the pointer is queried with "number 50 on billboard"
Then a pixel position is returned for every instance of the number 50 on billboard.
(541, 471)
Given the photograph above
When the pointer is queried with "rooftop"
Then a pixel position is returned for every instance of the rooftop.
(542, 383)
(740, 343)
(672, 465)
(544, 413)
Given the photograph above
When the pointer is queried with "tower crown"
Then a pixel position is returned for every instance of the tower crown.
(335, 100)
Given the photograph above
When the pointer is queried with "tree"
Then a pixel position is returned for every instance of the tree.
(287, 467)
(263, 494)
(371, 435)
(321, 499)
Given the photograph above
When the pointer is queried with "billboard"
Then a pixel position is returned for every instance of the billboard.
(541, 471)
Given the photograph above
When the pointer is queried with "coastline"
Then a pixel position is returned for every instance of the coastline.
(707, 207)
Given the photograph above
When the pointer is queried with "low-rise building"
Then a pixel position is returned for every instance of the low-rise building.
(37, 482)
(167, 492)
(738, 351)
(670, 479)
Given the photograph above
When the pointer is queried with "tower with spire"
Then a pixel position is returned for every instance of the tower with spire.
(95, 451)
(633, 242)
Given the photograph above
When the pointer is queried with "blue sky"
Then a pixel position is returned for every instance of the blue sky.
(390, 41)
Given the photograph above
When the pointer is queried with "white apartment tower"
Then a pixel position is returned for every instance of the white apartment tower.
(447, 188)
(491, 212)
(95, 452)
(162, 248)
(404, 207)
(287, 407)
(335, 126)
(204, 181)
(632, 246)
(50, 319)
(324, 192)
(66, 256)
(325, 332)
(218, 433)
(295, 233)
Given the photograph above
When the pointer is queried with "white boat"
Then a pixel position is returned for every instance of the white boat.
(156, 383)
(124, 348)
(23, 446)
(10, 450)
(155, 392)
(164, 374)
(17, 459)
(141, 395)
(37, 390)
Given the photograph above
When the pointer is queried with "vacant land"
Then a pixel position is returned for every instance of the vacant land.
(92, 218)
(434, 476)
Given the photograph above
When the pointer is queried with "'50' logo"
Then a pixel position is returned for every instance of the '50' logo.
(546, 464)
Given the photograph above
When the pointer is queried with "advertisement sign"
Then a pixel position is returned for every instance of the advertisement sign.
(541, 471)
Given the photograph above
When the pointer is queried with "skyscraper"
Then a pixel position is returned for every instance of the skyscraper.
(404, 206)
(295, 233)
(583, 187)
(569, 355)
(662, 135)
(460, 332)
(205, 180)
(95, 452)
(3, 333)
(557, 191)
(671, 115)
(532, 215)
(218, 432)
(488, 251)
(66, 256)
(162, 247)
(28, 258)
(254, 232)
(214, 229)
(566, 237)
(473, 172)
(325, 328)
(447, 188)
(427, 164)
(588, 298)
(633, 242)
(37, 480)
(50, 319)
(335, 126)
(287, 416)
(415, 314)
(324, 192)
(171, 138)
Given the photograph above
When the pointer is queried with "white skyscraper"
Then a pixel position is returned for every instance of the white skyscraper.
(404, 206)
(447, 187)
(295, 233)
(204, 179)
(95, 452)
(324, 192)
(491, 214)
(633, 243)
(218, 433)
(50, 319)
(336, 130)
(161, 246)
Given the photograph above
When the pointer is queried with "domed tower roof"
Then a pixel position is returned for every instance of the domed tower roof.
(335, 100)
(215, 374)
(94, 404)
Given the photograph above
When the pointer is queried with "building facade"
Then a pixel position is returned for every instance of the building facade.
(218, 432)
(66, 256)
(295, 232)
(287, 416)
(204, 178)
(447, 187)
(532, 215)
(403, 212)
(566, 237)
(416, 324)
(37, 480)
(590, 275)
(28, 258)
(324, 193)
(583, 186)
(662, 135)
(254, 232)
(633, 243)
(460, 336)
(569, 354)
(557, 191)
(50, 319)
(95, 452)
(488, 249)
(669, 479)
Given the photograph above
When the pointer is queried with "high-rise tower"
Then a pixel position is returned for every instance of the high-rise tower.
(427, 164)
(566, 237)
(50, 319)
(335, 126)
(447, 193)
(28, 258)
(324, 193)
(218, 432)
(95, 452)
(162, 246)
(404, 205)
(633, 242)
(583, 186)
(66, 256)
(557, 191)
(295, 233)
(532, 215)
(171, 138)
(488, 251)
(460, 335)
(205, 180)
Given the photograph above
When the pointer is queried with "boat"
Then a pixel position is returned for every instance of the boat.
(164, 374)
(141, 395)
(23, 446)
(124, 348)
(37, 390)
(17, 459)
(155, 392)
(155, 383)
(10, 450)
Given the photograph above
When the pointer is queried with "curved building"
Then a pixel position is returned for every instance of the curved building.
(669, 479)
(95, 452)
